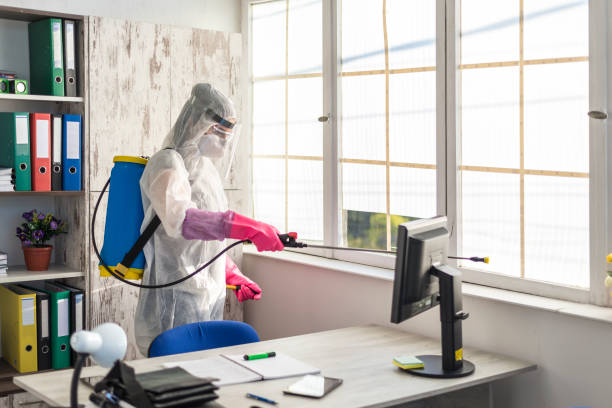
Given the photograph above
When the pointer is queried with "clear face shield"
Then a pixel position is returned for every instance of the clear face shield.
(219, 141)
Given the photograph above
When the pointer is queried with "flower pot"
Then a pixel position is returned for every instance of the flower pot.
(37, 259)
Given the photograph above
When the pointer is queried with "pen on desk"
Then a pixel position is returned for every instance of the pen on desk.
(258, 356)
(258, 398)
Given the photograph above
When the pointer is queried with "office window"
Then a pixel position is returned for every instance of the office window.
(475, 109)
(524, 174)
(287, 139)
(387, 118)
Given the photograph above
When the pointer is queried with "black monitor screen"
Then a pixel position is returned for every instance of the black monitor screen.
(420, 244)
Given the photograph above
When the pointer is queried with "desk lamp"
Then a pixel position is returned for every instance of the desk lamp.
(105, 344)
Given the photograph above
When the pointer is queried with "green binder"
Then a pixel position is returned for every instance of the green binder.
(15, 151)
(46, 57)
(60, 322)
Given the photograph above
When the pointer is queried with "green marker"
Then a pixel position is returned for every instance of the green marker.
(258, 356)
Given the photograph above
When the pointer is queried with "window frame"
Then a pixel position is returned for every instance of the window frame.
(448, 141)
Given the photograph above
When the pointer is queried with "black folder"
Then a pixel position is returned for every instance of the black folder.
(70, 58)
(56, 153)
(43, 329)
(77, 312)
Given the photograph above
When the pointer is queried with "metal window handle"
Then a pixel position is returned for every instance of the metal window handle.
(598, 115)
(323, 118)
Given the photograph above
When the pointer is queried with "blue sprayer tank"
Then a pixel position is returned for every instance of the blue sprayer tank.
(124, 215)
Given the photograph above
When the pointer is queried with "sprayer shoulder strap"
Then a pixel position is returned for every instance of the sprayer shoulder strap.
(142, 240)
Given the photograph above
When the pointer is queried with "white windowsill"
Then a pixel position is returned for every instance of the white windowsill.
(592, 312)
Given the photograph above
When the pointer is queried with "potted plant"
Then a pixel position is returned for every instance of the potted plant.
(34, 233)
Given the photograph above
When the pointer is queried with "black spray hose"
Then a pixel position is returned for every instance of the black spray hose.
(289, 240)
(138, 285)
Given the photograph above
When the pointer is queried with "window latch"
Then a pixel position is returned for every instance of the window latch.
(598, 115)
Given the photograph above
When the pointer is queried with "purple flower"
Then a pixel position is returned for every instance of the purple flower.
(27, 242)
(19, 230)
(38, 234)
(22, 237)
(53, 225)
(28, 216)
(41, 216)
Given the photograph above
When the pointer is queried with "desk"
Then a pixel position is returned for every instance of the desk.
(360, 355)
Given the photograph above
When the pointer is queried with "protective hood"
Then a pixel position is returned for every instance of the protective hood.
(206, 129)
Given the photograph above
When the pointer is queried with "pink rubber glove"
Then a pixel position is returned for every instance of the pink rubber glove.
(233, 276)
(264, 236)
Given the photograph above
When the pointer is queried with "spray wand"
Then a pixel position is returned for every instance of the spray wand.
(289, 240)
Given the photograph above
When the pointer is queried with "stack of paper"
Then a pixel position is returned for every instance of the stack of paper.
(7, 180)
(3, 263)
(233, 369)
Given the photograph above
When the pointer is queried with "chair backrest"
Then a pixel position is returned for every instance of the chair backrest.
(202, 336)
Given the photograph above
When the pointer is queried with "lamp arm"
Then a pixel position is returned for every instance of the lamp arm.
(74, 385)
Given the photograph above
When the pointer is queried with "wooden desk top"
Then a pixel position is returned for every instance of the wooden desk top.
(360, 355)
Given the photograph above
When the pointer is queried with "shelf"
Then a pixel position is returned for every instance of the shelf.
(19, 273)
(42, 193)
(40, 98)
(7, 372)
(16, 13)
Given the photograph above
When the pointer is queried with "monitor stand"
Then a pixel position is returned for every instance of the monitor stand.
(451, 363)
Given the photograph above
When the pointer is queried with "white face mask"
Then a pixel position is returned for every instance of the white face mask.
(212, 146)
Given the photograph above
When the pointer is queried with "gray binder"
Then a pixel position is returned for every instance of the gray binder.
(56, 153)
(70, 58)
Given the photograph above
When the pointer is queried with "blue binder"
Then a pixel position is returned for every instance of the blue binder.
(71, 152)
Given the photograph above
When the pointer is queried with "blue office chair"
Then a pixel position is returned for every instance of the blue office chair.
(202, 336)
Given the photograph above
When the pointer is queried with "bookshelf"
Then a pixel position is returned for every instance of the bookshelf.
(70, 258)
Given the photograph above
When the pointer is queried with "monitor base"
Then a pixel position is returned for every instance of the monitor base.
(433, 368)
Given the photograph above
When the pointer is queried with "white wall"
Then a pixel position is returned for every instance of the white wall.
(574, 355)
(222, 15)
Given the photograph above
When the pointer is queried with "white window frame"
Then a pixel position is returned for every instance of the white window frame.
(447, 141)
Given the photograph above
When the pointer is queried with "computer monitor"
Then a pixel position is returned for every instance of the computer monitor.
(423, 280)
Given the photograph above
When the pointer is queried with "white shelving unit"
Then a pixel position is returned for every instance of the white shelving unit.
(70, 254)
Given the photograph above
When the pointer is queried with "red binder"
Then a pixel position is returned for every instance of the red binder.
(40, 153)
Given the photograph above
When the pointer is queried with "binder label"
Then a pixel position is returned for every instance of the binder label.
(78, 313)
(44, 312)
(57, 45)
(73, 136)
(21, 129)
(57, 139)
(27, 311)
(69, 46)
(63, 311)
(42, 139)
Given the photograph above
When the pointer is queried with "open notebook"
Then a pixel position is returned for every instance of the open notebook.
(233, 369)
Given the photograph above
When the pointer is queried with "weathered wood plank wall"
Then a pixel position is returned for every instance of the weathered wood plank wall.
(140, 76)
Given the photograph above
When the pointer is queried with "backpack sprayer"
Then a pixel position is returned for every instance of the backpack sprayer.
(124, 217)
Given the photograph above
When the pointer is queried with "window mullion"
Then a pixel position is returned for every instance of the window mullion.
(331, 194)
(453, 120)
(441, 193)
(599, 195)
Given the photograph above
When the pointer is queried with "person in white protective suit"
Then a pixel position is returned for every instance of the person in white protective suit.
(182, 184)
